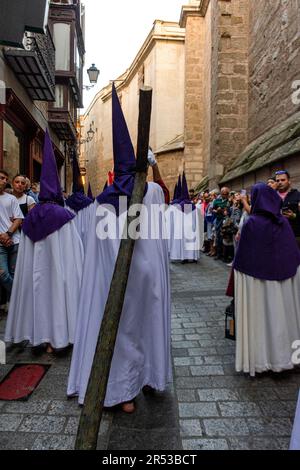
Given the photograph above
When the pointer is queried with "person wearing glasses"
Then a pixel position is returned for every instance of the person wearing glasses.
(291, 201)
(219, 206)
(266, 287)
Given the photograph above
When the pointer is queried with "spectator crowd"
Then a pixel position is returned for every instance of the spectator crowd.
(225, 212)
(16, 200)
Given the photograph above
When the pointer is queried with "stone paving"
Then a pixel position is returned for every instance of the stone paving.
(219, 408)
(209, 405)
(48, 420)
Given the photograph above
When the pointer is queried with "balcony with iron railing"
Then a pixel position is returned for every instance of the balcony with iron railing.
(62, 123)
(34, 65)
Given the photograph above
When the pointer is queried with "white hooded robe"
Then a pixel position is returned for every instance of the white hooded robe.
(142, 351)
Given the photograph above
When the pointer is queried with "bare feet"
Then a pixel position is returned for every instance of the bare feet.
(128, 407)
(49, 349)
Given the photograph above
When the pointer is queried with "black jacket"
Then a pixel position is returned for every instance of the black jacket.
(292, 202)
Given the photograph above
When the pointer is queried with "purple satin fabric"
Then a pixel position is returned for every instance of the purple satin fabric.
(183, 198)
(50, 187)
(78, 201)
(185, 202)
(49, 215)
(124, 159)
(122, 186)
(90, 193)
(44, 219)
(267, 248)
(177, 193)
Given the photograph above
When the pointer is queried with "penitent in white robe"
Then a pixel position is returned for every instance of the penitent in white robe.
(267, 322)
(185, 233)
(142, 351)
(82, 222)
(44, 301)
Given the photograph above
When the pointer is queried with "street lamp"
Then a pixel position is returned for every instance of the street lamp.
(74, 148)
(90, 134)
(93, 74)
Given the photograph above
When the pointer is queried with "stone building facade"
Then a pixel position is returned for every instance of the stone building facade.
(273, 100)
(233, 79)
(217, 31)
(249, 60)
(159, 64)
(41, 87)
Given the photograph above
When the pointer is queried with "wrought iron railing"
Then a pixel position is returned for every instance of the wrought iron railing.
(43, 46)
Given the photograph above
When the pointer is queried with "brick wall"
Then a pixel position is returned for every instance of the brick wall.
(214, 169)
(274, 62)
(170, 165)
(229, 83)
(291, 164)
(97, 166)
(161, 59)
(207, 88)
(193, 113)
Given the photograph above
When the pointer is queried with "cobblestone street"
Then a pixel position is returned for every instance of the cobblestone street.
(218, 408)
(209, 406)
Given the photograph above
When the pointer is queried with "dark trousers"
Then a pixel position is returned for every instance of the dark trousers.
(8, 259)
(228, 253)
(3, 296)
(219, 238)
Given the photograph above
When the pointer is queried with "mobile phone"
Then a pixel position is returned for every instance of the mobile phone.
(243, 192)
(291, 206)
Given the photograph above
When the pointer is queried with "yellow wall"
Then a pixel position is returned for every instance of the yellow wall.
(162, 57)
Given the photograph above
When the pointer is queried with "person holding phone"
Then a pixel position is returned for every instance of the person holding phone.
(219, 205)
(291, 201)
(266, 287)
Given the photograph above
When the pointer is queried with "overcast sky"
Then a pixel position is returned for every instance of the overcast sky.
(115, 31)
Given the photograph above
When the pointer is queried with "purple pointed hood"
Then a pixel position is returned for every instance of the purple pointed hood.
(50, 187)
(177, 194)
(124, 159)
(179, 187)
(77, 201)
(184, 198)
(49, 215)
(90, 193)
(267, 248)
(184, 191)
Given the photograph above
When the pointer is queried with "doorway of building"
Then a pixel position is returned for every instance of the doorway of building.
(36, 174)
(13, 150)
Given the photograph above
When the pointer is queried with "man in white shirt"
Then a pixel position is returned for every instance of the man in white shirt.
(25, 202)
(10, 221)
